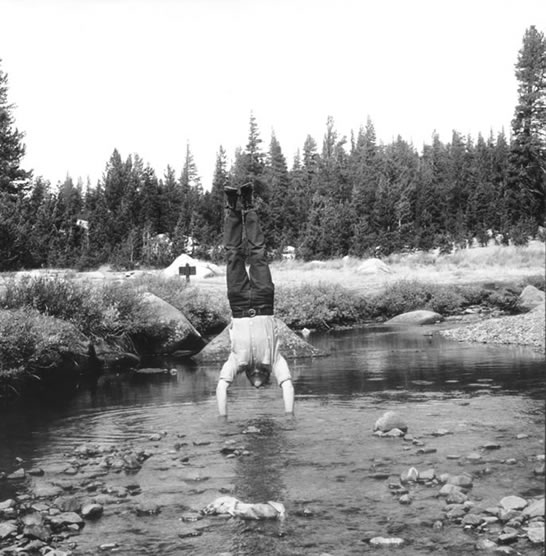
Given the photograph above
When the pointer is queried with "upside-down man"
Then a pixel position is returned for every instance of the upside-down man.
(253, 332)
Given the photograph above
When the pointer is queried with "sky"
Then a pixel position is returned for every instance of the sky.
(153, 76)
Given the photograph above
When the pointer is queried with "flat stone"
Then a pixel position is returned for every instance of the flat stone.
(513, 503)
(441, 432)
(472, 520)
(474, 457)
(17, 475)
(448, 489)
(66, 518)
(47, 491)
(386, 541)
(464, 481)
(456, 497)
(421, 451)
(7, 528)
(536, 534)
(534, 509)
(427, 475)
(7, 504)
(486, 544)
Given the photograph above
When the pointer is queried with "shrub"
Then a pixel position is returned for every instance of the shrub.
(108, 311)
(409, 295)
(320, 306)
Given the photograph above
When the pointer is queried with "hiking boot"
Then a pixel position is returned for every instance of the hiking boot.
(247, 200)
(232, 194)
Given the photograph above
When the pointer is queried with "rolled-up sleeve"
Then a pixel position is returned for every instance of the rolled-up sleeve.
(281, 370)
(229, 369)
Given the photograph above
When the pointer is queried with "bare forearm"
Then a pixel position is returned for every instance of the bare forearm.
(288, 396)
(221, 397)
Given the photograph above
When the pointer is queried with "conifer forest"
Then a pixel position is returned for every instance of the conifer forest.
(336, 196)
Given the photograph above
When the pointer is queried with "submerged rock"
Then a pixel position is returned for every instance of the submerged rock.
(390, 420)
(234, 507)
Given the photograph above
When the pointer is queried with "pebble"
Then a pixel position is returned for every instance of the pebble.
(441, 432)
(464, 481)
(491, 446)
(411, 475)
(17, 475)
(405, 499)
(508, 535)
(427, 475)
(386, 541)
(108, 546)
(421, 451)
(456, 497)
(486, 544)
(92, 511)
(474, 457)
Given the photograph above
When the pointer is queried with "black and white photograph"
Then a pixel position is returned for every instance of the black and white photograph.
(272, 277)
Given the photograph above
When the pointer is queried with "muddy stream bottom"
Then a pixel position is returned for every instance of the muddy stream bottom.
(153, 453)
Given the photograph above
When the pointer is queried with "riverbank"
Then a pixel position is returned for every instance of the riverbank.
(105, 309)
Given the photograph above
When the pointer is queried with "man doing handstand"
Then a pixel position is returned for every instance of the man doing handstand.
(253, 331)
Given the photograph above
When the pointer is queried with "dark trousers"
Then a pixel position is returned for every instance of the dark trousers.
(249, 293)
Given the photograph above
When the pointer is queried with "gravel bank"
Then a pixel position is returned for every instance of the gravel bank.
(525, 330)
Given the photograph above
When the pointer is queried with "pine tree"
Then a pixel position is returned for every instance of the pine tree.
(527, 179)
(13, 179)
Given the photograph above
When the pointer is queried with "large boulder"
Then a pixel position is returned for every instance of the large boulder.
(373, 266)
(292, 346)
(203, 269)
(416, 318)
(167, 329)
(531, 297)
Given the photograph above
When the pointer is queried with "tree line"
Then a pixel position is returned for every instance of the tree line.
(344, 196)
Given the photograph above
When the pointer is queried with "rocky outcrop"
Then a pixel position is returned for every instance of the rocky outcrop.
(416, 318)
(292, 346)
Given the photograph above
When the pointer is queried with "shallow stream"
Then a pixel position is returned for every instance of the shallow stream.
(326, 466)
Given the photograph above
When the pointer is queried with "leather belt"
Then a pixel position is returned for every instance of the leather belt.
(252, 312)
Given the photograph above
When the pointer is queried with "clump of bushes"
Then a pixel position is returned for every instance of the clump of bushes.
(109, 311)
(320, 306)
(31, 342)
(404, 296)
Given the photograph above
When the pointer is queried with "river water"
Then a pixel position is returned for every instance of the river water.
(323, 465)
